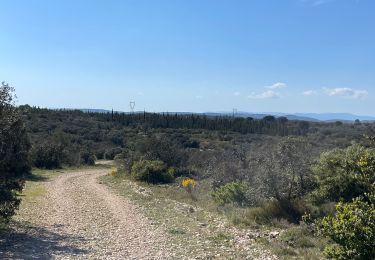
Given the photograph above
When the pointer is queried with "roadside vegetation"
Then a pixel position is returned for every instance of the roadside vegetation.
(14, 152)
(302, 189)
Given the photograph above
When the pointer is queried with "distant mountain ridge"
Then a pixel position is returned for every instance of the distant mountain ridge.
(328, 117)
(313, 117)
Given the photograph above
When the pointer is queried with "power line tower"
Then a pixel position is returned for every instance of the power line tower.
(234, 112)
(132, 106)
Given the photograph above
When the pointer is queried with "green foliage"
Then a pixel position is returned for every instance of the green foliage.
(237, 192)
(286, 173)
(348, 175)
(14, 148)
(297, 242)
(110, 154)
(48, 155)
(163, 149)
(152, 172)
(270, 212)
(170, 151)
(352, 229)
(57, 151)
(344, 173)
(88, 158)
(298, 237)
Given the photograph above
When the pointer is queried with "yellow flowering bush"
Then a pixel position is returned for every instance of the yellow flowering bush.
(113, 172)
(189, 184)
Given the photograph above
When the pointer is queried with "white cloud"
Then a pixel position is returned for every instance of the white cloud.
(265, 95)
(277, 85)
(346, 93)
(236, 94)
(198, 97)
(310, 93)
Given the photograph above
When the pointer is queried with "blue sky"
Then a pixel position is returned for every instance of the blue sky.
(191, 55)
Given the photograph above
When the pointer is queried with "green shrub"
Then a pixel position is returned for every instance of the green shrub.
(48, 155)
(163, 149)
(111, 153)
(238, 193)
(184, 172)
(271, 212)
(298, 237)
(344, 174)
(152, 172)
(88, 158)
(352, 229)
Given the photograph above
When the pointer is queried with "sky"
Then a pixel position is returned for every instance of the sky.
(191, 55)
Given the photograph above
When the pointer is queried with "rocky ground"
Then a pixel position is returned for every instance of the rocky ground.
(79, 218)
(74, 215)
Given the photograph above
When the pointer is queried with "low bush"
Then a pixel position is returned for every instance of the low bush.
(352, 230)
(152, 172)
(298, 242)
(88, 158)
(48, 155)
(111, 153)
(271, 212)
(298, 237)
(237, 192)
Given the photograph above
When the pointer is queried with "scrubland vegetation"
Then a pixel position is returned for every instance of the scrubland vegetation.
(311, 181)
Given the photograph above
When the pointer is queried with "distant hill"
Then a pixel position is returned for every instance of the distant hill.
(337, 116)
(313, 117)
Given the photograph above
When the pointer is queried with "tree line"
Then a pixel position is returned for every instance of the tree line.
(268, 125)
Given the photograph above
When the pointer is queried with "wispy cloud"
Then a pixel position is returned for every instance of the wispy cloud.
(270, 91)
(310, 93)
(264, 95)
(277, 85)
(198, 97)
(236, 94)
(346, 93)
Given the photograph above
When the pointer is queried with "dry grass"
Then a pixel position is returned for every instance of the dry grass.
(196, 228)
(171, 207)
(297, 242)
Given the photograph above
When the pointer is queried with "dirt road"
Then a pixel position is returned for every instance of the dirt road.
(79, 218)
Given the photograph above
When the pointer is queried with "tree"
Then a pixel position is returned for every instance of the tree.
(303, 127)
(286, 171)
(14, 149)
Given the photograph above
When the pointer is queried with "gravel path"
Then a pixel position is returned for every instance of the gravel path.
(80, 218)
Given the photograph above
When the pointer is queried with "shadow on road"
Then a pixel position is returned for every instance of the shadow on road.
(18, 242)
(33, 177)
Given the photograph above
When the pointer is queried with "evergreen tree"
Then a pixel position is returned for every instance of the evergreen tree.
(14, 148)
